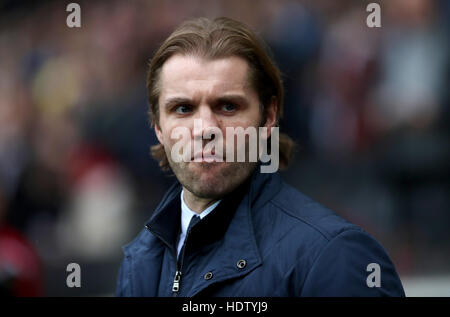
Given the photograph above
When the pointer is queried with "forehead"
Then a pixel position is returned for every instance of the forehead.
(193, 75)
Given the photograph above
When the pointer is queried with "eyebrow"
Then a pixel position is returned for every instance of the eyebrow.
(175, 101)
(239, 99)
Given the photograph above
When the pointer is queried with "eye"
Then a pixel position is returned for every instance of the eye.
(183, 109)
(228, 107)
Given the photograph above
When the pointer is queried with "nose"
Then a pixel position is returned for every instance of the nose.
(208, 121)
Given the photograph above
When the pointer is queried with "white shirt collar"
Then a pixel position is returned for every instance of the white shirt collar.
(186, 213)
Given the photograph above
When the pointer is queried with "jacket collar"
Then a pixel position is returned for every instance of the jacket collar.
(257, 189)
(232, 216)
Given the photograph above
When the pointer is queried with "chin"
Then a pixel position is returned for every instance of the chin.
(213, 192)
(211, 180)
(211, 174)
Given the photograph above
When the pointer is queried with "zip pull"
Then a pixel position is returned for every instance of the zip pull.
(177, 278)
(176, 282)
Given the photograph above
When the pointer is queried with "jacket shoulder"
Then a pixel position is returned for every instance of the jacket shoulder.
(307, 212)
(332, 255)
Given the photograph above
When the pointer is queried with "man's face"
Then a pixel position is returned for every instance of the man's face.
(218, 93)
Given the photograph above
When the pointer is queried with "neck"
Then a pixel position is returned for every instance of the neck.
(195, 203)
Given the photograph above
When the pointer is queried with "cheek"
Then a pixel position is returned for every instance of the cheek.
(167, 127)
(168, 140)
(243, 121)
(252, 117)
(176, 133)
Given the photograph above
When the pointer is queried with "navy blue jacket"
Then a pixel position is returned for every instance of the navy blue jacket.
(264, 239)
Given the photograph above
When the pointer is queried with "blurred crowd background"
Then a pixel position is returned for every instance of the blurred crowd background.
(368, 107)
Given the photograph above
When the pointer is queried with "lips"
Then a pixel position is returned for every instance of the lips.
(205, 157)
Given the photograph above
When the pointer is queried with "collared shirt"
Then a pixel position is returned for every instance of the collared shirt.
(186, 215)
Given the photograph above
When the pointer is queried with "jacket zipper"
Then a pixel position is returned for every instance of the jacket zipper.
(179, 264)
(177, 278)
(176, 282)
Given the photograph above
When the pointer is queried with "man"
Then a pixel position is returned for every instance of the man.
(226, 228)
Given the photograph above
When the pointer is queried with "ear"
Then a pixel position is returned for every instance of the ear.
(159, 134)
(271, 115)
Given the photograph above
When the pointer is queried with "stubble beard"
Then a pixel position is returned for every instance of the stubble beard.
(211, 180)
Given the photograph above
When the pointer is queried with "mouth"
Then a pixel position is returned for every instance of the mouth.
(206, 157)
